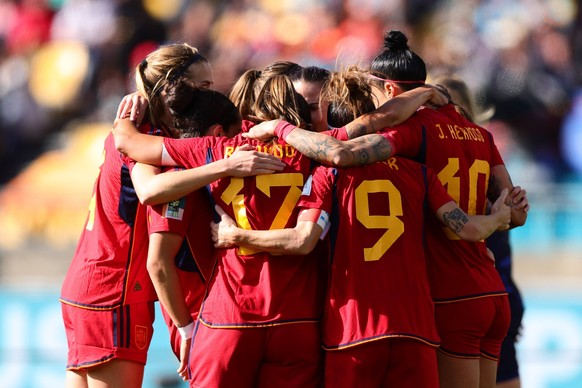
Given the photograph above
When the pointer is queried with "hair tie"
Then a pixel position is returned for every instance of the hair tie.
(396, 81)
(144, 63)
(184, 66)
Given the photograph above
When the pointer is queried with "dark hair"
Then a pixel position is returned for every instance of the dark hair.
(311, 74)
(397, 62)
(194, 110)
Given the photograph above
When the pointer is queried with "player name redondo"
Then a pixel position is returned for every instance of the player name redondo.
(459, 133)
(278, 150)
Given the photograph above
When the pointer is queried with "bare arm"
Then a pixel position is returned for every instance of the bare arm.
(324, 148)
(396, 110)
(299, 240)
(153, 188)
(138, 146)
(358, 151)
(162, 270)
(517, 200)
(475, 227)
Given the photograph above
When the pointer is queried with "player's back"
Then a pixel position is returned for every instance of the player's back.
(108, 267)
(462, 154)
(254, 288)
(378, 283)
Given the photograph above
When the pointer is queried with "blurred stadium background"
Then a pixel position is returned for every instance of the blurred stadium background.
(65, 64)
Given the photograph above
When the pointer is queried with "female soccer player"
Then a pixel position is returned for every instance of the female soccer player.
(107, 296)
(468, 164)
(498, 243)
(253, 297)
(378, 326)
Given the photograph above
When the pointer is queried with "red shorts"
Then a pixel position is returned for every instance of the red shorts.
(282, 356)
(389, 362)
(97, 336)
(473, 328)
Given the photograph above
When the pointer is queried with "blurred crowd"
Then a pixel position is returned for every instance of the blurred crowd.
(62, 61)
(65, 62)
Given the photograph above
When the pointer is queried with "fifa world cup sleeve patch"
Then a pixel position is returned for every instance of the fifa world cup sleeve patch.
(307, 186)
(175, 209)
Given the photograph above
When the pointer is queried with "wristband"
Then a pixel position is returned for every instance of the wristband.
(283, 129)
(186, 331)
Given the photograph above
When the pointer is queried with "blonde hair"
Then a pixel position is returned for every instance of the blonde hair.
(277, 99)
(160, 69)
(248, 86)
(349, 94)
(462, 96)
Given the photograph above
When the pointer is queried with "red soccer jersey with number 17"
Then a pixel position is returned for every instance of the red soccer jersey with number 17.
(378, 286)
(255, 288)
(462, 154)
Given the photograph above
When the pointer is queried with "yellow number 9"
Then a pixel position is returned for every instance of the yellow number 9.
(393, 225)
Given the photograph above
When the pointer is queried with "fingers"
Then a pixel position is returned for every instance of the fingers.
(122, 109)
(245, 147)
(220, 212)
(503, 195)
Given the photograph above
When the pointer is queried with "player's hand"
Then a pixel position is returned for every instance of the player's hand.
(502, 211)
(440, 96)
(223, 231)
(263, 131)
(247, 161)
(184, 358)
(132, 106)
(518, 199)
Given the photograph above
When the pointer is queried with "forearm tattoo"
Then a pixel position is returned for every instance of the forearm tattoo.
(320, 148)
(371, 149)
(455, 219)
(356, 130)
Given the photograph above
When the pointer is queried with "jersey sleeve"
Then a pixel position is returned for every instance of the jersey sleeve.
(437, 194)
(318, 189)
(338, 133)
(406, 138)
(172, 217)
(192, 152)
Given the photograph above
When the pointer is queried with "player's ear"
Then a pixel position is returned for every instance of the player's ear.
(215, 130)
(390, 89)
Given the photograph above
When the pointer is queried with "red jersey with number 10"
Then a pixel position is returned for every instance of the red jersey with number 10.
(378, 285)
(462, 154)
(251, 288)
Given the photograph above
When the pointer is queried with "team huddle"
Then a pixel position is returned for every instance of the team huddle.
(312, 228)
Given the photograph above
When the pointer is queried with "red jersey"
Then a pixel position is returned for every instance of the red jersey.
(251, 288)
(462, 154)
(109, 265)
(378, 286)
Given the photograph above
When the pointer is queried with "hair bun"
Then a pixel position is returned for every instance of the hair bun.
(395, 40)
(179, 97)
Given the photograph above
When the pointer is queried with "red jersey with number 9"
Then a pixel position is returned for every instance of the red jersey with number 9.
(250, 288)
(462, 154)
(378, 285)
